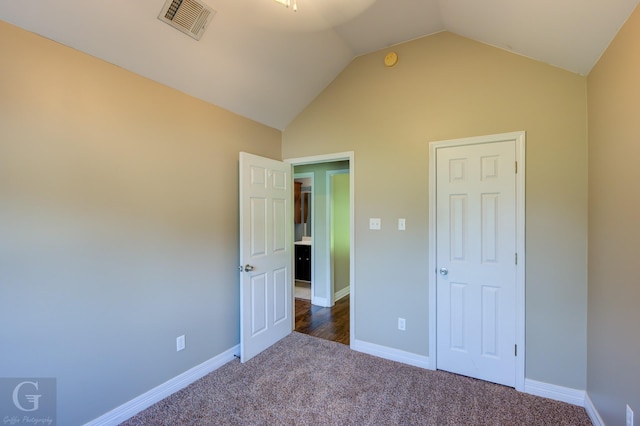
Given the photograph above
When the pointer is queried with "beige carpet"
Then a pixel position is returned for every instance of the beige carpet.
(303, 380)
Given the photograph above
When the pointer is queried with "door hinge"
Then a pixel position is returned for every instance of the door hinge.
(516, 258)
(515, 351)
(516, 167)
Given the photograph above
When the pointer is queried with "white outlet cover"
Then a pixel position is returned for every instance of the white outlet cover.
(402, 324)
(375, 223)
(180, 343)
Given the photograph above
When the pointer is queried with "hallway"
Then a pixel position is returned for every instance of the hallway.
(325, 323)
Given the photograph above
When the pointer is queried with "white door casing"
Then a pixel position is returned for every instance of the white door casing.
(266, 224)
(477, 226)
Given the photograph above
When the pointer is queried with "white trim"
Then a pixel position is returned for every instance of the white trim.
(558, 393)
(320, 301)
(341, 293)
(391, 354)
(432, 259)
(325, 158)
(592, 411)
(519, 140)
(171, 386)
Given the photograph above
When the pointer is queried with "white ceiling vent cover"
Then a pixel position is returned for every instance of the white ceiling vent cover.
(189, 16)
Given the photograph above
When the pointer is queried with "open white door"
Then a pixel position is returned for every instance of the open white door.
(265, 253)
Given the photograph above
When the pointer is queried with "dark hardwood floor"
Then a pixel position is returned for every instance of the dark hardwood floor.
(325, 323)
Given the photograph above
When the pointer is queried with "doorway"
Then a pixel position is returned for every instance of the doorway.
(477, 258)
(302, 229)
(323, 263)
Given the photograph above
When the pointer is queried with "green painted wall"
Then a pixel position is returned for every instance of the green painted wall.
(340, 230)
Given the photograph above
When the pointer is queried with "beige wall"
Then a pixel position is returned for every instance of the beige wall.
(445, 87)
(119, 204)
(614, 227)
(118, 225)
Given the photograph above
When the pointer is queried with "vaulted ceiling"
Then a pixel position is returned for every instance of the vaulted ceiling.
(266, 62)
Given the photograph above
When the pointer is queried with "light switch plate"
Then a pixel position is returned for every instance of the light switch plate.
(375, 223)
(402, 224)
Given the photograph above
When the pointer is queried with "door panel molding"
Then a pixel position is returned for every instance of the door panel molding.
(266, 298)
(518, 138)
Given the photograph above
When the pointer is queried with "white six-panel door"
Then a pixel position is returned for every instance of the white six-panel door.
(265, 253)
(476, 260)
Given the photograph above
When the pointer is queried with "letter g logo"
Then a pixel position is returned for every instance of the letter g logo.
(33, 399)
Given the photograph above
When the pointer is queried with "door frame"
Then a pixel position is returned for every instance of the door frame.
(518, 139)
(328, 158)
(313, 218)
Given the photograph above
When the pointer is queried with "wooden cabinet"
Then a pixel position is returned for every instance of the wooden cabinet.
(303, 262)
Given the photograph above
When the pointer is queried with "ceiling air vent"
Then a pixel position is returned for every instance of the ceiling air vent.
(189, 16)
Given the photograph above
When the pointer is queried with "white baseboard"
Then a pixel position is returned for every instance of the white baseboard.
(342, 293)
(147, 399)
(559, 393)
(320, 301)
(592, 412)
(391, 353)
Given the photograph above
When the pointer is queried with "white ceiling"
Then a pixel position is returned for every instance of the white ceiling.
(266, 62)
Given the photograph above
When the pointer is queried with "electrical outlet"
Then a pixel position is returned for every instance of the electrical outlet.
(180, 343)
(402, 324)
(402, 224)
(375, 223)
(629, 416)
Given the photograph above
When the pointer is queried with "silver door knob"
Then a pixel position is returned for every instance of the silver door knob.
(444, 271)
(248, 268)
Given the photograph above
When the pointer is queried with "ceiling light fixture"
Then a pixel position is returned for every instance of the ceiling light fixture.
(289, 3)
